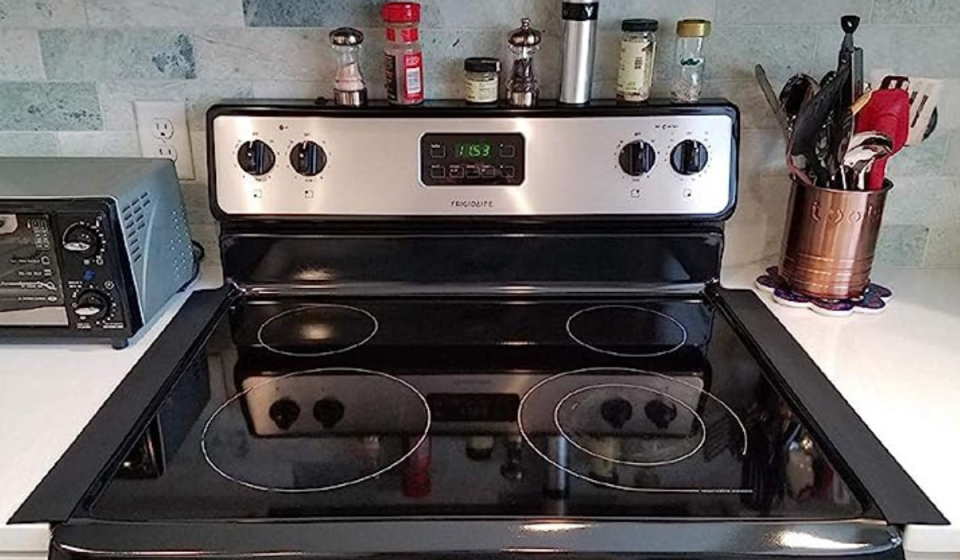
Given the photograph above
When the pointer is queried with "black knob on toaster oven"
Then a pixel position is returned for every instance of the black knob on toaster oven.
(284, 413)
(256, 157)
(308, 158)
(689, 157)
(636, 158)
(81, 240)
(92, 305)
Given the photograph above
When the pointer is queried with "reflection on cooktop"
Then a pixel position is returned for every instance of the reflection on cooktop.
(462, 407)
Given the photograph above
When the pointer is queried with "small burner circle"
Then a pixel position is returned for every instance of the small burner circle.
(289, 314)
(340, 485)
(682, 331)
(573, 442)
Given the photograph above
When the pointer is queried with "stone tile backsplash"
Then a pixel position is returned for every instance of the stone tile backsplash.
(70, 71)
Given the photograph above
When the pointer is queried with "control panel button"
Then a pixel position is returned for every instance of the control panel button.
(689, 157)
(438, 171)
(508, 171)
(637, 157)
(456, 172)
(256, 157)
(92, 305)
(488, 172)
(508, 151)
(81, 240)
(308, 158)
(438, 151)
(473, 172)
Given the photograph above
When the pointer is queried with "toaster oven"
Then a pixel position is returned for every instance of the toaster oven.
(90, 248)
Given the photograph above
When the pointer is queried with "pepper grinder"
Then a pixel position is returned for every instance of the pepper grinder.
(349, 87)
(523, 88)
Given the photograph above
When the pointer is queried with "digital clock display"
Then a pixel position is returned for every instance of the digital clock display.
(473, 150)
(483, 159)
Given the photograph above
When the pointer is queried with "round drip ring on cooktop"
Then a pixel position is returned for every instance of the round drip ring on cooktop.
(406, 454)
(295, 328)
(599, 371)
(607, 316)
(563, 432)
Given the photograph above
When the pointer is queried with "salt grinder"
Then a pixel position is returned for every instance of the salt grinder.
(349, 87)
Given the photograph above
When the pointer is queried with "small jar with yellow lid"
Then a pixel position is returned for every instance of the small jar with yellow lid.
(688, 83)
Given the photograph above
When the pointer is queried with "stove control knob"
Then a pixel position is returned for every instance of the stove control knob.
(689, 157)
(81, 240)
(284, 413)
(92, 305)
(660, 413)
(328, 412)
(308, 158)
(256, 157)
(636, 158)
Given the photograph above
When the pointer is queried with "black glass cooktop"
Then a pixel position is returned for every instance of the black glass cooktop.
(640, 408)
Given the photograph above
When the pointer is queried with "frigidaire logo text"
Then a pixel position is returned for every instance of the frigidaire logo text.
(471, 203)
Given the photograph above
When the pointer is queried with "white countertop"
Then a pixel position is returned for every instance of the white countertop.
(899, 370)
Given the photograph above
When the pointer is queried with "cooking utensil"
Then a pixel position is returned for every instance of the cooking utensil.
(895, 82)
(924, 94)
(772, 100)
(850, 57)
(812, 123)
(888, 111)
(797, 91)
(861, 102)
(865, 149)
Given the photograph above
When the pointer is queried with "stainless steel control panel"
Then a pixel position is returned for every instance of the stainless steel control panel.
(350, 165)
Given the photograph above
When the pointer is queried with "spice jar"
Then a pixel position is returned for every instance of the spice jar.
(403, 53)
(523, 88)
(481, 79)
(349, 87)
(688, 83)
(638, 50)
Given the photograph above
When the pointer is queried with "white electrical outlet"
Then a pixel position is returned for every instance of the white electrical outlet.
(162, 127)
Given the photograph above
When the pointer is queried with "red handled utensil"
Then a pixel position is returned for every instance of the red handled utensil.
(888, 111)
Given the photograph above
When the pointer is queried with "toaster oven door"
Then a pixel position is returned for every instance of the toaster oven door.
(31, 287)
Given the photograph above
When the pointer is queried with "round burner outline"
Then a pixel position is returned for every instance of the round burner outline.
(581, 342)
(526, 437)
(303, 308)
(340, 485)
(573, 442)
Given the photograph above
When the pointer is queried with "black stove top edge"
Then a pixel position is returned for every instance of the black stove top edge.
(503, 537)
(59, 498)
(867, 462)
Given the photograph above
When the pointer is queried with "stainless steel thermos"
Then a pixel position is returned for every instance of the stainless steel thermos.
(579, 36)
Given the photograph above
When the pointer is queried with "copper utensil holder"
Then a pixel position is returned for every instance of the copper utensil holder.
(831, 240)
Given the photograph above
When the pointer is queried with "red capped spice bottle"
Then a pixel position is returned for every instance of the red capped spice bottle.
(403, 53)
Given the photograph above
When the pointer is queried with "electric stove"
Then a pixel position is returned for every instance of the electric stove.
(492, 332)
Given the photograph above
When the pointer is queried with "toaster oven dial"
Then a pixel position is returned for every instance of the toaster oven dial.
(636, 158)
(256, 157)
(689, 157)
(81, 240)
(92, 305)
(308, 158)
